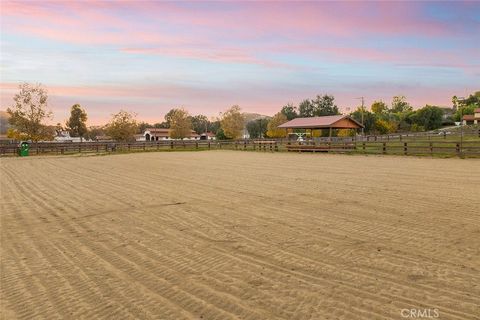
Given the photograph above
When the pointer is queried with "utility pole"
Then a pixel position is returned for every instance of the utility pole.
(363, 110)
(462, 100)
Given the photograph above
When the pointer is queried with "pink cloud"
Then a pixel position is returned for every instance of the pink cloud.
(151, 102)
(225, 32)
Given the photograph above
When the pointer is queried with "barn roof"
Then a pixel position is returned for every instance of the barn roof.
(158, 130)
(340, 121)
(165, 132)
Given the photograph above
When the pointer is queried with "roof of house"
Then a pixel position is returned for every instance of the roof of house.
(158, 130)
(166, 132)
(322, 122)
(469, 117)
(477, 110)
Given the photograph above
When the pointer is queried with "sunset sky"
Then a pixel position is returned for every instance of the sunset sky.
(148, 56)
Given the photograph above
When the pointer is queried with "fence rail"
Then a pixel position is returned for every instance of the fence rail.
(467, 148)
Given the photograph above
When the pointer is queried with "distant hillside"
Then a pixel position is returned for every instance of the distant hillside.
(254, 116)
(4, 125)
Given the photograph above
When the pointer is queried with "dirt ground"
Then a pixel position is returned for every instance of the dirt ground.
(239, 235)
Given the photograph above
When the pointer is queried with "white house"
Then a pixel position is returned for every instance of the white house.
(472, 118)
(156, 134)
(64, 136)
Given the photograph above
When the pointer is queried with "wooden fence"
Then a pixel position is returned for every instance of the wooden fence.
(463, 148)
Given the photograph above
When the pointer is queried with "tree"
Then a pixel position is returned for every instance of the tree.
(257, 128)
(379, 107)
(321, 106)
(29, 111)
(168, 117)
(400, 104)
(142, 126)
(232, 122)
(77, 123)
(200, 123)
(220, 135)
(385, 126)
(369, 119)
(290, 111)
(429, 117)
(273, 130)
(214, 126)
(122, 127)
(95, 131)
(306, 109)
(180, 123)
(325, 106)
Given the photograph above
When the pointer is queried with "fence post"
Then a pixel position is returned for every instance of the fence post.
(431, 148)
(405, 148)
(457, 149)
(208, 145)
(244, 144)
(384, 149)
(171, 144)
(363, 145)
(276, 146)
(445, 134)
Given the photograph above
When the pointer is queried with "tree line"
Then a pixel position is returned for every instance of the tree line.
(30, 110)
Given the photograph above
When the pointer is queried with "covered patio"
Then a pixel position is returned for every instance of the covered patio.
(326, 122)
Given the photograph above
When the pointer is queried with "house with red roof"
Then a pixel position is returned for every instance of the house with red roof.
(472, 118)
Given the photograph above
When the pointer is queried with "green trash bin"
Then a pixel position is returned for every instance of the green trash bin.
(23, 148)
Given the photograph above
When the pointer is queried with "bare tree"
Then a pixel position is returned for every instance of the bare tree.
(28, 113)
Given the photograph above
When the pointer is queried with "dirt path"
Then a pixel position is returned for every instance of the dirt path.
(239, 235)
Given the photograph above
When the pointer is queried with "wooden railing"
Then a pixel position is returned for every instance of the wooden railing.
(463, 147)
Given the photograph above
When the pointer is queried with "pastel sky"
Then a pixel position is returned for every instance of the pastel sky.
(150, 56)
